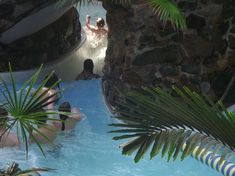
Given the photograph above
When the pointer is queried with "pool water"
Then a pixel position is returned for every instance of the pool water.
(89, 150)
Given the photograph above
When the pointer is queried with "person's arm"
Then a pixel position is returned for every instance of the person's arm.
(106, 31)
(47, 134)
(76, 114)
(76, 117)
(80, 76)
(88, 25)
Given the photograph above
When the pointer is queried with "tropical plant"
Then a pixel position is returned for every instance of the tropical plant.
(173, 125)
(14, 170)
(25, 106)
(167, 10)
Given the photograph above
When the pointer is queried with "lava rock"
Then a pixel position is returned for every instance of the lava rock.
(231, 42)
(228, 12)
(189, 6)
(233, 21)
(232, 30)
(184, 79)
(221, 81)
(191, 68)
(148, 39)
(195, 22)
(219, 43)
(224, 27)
(158, 55)
(6, 10)
(168, 70)
(217, 1)
(196, 46)
(21, 1)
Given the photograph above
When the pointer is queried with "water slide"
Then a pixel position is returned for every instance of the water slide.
(35, 21)
(67, 67)
(70, 65)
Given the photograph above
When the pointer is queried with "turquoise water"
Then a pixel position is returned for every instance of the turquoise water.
(90, 151)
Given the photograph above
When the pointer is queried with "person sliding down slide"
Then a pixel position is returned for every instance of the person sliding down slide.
(98, 28)
(87, 73)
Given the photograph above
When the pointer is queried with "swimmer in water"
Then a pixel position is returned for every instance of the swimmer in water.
(68, 122)
(87, 73)
(98, 28)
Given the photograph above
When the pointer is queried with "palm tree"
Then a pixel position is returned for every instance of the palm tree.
(25, 109)
(14, 170)
(167, 10)
(152, 119)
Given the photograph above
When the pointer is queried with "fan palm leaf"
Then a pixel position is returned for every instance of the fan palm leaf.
(173, 126)
(168, 11)
(24, 107)
(14, 170)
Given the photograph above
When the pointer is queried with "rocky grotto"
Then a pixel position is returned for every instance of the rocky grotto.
(143, 52)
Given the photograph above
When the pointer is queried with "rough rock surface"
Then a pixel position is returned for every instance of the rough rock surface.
(141, 52)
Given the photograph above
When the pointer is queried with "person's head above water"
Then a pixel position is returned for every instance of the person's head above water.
(88, 65)
(100, 23)
(52, 80)
(64, 107)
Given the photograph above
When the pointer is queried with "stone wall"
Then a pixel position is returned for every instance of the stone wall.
(143, 52)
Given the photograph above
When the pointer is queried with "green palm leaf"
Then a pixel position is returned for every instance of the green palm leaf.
(26, 108)
(173, 126)
(14, 170)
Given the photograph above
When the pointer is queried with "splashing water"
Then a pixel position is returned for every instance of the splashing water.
(95, 46)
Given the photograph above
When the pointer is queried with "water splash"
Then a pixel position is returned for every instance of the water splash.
(94, 48)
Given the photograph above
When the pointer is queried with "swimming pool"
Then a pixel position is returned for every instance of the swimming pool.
(90, 151)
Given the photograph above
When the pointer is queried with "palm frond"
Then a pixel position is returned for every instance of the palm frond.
(26, 108)
(173, 126)
(168, 11)
(14, 170)
(29, 172)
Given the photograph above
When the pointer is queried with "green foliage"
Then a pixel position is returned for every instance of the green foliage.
(14, 170)
(25, 108)
(168, 11)
(173, 126)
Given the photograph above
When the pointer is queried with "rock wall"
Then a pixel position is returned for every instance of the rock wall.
(143, 52)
